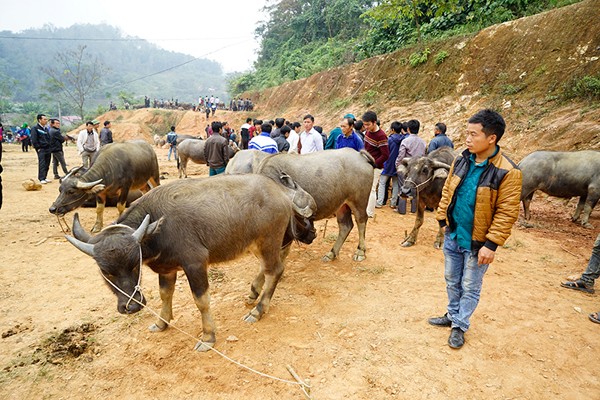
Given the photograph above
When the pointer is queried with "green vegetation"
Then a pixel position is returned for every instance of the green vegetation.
(369, 97)
(440, 57)
(419, 57)
(303, 37)
(587, 87)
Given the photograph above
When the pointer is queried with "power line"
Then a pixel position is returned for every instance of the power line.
(117, 39)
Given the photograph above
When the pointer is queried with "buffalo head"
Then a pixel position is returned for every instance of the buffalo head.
(418, 173)
(73, 192)
(117, 251)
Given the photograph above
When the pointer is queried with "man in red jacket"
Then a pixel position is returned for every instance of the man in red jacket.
(376, 144)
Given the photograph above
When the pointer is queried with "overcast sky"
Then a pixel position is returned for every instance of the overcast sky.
(220, 30)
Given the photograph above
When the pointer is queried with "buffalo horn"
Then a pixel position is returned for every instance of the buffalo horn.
(87, 185)
(78, 230)
(141, 230)
(439, 164)
(84, 247)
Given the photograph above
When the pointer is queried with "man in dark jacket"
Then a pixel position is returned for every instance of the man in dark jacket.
(56, 148)
(40, 139)
(106, 134)
(216, 150)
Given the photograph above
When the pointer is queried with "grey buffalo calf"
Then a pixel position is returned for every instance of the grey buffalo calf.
(119, 168)
(424, 179)
(192, 149)
(245, 162)
(340, 182)
(563, 174)
(172, 232)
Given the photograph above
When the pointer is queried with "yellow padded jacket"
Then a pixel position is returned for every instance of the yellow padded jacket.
(496, 204)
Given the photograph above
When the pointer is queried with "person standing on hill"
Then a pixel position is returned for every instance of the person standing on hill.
(389, 168)
(479, 205)
(106, 134)
(40, 139)
(56, 147)
(245, 133)
(440, 139)
(376, 144)
(310, 140)
(88, 143)
(25, 137)
(172, 140)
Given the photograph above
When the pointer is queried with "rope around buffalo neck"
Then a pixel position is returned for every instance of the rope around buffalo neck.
(420, 184)
(303, 386)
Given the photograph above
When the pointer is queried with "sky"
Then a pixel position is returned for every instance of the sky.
(220, 30)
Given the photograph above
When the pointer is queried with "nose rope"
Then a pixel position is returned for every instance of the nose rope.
(420, 184)
(137, 287)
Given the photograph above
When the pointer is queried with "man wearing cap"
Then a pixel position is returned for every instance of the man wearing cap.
(335, 133)
(88, 143)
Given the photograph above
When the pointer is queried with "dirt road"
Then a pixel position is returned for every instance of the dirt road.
(356, 330)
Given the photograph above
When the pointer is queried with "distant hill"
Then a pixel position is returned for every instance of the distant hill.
(130, 58)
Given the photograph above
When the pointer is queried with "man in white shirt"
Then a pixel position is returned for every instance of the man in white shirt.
(88, 143)
(310, 140)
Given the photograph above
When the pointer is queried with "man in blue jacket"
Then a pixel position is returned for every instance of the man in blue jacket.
(40, 139)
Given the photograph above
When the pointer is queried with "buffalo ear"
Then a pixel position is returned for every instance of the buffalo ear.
(440, 173)
(154, 227)
(97, 189)
(402, 170)
(287, 181)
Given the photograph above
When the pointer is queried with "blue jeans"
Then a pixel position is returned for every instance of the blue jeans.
(592, 272)
(215, 171)
(174, 150)
(464, 278)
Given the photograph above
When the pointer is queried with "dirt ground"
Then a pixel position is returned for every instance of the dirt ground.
(355, 330)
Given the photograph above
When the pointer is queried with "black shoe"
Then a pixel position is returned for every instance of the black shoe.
(456, 339)
(440, 321)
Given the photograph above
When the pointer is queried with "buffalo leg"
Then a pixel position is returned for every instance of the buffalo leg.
(526, 203)
(345, 224)
(198, 279)
(592, 199)
(579, 209)
(361, 221)
(412, 237)
(122, 201)
(100, 202)
(166, 283)
(259, 281)
(439, 239)
(271, 269)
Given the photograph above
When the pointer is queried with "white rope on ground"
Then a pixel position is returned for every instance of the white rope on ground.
(303, 386)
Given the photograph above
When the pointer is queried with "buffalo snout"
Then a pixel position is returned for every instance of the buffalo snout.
(133, 306)
(408, 192)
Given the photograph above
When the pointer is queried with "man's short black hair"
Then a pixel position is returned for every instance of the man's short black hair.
(40, 116)
(279, 122)
(370, 116)
(413, 126)
(106, 123)
(216, 126)
(266, 128)
(441, 126)
(53, 120)
(248, 120)
(258, 122)
(318, 128)
(396, 126)
(358, 124)
(308, 116)
(89, 123)
(491, 122)
(285, 129)
(173, 128)
(296, 125)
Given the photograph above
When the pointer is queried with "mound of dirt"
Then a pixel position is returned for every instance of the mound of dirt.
(71, 343)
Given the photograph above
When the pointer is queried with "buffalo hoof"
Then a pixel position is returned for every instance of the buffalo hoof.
(359, 255)
(97, 228)
(156, 328)
(588, 225)
(526, 224)
(437, 245)
(328, 257)
(251, 317)
(203, 346)
(250, 300)
(407, 243)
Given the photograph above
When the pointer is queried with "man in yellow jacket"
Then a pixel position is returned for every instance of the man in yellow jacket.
(479, 205)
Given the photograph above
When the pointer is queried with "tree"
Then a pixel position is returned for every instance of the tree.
(74, 77)
(7, 87)
(392, 10)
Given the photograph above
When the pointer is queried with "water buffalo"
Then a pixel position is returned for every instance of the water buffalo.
(563, 174)
(424, 179)
(192, 149)
(340, 182)
(171, 233)
(245, 162)
(119, 168)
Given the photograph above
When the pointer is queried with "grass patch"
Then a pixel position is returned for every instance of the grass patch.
(369, 97)
(419, 57)
(440, 57)
(341, 103)
(586, 87)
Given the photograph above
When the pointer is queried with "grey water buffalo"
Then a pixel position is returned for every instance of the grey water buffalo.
(192, 149)
(170, 232)
(118, 169)
(245, 162)
(340, 182)
(424, 179)
(563, 174)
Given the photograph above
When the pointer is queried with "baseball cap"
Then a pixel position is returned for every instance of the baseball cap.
(349, 116)
(95, 122)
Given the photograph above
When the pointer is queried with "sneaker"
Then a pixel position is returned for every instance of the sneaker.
(43, 181)
(456, 339)
(56, 177)
(440, 321)
(378, 205)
